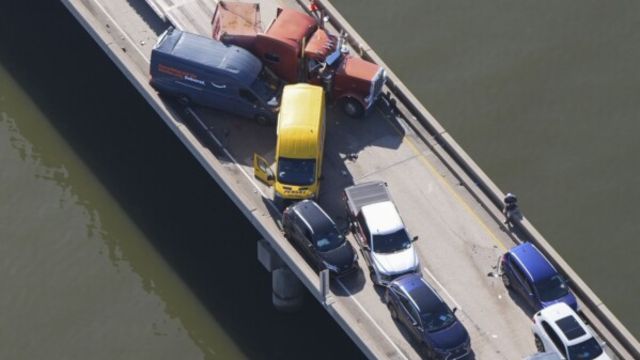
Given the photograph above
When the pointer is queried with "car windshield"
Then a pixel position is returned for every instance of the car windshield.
(266, 85)
(586, 350)
(437, 319)
(296, 171)
(552, 288)
(391, 243)
(329, 240)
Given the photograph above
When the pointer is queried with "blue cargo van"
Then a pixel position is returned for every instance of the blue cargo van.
(200, 70)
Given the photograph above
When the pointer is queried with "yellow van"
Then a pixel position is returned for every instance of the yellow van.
(301, 128)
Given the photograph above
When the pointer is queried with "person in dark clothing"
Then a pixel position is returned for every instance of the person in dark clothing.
(510, 207)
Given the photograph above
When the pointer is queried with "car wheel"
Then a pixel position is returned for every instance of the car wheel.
(183, 100)
(352, 107)
(429, 352)
(506, 281)
(372, 276)
(539, 345)
(263, 120)
(392, 311)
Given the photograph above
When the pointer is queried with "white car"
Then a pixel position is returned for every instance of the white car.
(380, 233)
(558, 329)
(391, 252)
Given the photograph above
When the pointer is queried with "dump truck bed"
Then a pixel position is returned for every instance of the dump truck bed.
(236, 23)
(358, 196)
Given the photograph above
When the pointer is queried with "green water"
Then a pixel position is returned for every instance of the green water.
(76, 270)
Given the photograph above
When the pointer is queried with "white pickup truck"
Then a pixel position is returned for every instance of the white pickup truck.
(380, 233)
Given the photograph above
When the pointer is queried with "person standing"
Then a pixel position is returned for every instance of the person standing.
(510, 209)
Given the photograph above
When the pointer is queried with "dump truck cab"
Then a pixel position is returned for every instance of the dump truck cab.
(296, 47)
(300, 144)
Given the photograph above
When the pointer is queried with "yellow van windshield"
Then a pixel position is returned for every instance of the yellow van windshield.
(296, 171)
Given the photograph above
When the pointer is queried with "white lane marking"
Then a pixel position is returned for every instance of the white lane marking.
(133, 43)
(270, 202)
(371, 319)
(442, 287)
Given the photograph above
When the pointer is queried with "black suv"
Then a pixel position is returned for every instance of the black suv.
(313, 232)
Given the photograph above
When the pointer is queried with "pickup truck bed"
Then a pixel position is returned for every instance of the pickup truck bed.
(358, 196)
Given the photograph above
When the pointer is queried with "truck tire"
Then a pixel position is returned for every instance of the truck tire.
(183, 100)
(539, 345)
(392, 311)
(352, 107)
(372, 276)
(263, 120)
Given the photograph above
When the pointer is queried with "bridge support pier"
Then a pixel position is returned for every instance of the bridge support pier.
(288, 291)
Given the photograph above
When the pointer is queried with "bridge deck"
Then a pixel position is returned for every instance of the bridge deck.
(459, 242)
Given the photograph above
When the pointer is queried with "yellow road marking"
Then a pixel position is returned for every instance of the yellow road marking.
(456, 196)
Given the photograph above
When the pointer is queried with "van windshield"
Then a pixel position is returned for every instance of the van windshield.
(296, 171)
(266, 86)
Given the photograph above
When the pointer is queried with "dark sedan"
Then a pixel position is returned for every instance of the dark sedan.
(416, 305)
(315, 234)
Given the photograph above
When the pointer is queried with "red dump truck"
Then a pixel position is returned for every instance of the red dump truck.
(297, 47)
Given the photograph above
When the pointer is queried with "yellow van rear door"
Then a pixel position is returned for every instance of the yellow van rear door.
(261, 170)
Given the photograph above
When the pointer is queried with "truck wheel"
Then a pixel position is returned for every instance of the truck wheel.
(263, 120)
(539, 345)
(352, 107)
(372, 276)
(392, 311)
(183, 100)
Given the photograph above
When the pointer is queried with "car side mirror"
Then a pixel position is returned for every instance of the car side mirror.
(366, 247)
(415, 238)
(454, 310)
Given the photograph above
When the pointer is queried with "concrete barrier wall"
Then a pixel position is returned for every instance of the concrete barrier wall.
(481, 186)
